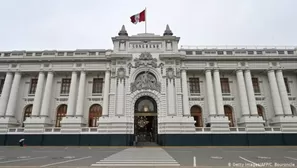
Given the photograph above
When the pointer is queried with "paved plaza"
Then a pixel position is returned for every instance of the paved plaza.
(148, 157)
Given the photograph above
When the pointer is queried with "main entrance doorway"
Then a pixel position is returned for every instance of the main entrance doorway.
(146, 120)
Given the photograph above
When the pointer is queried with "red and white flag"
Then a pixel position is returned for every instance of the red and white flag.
(140, 17)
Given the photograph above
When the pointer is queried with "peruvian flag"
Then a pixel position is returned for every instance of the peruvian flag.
(140, 17)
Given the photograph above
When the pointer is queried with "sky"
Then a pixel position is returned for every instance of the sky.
(90, 24)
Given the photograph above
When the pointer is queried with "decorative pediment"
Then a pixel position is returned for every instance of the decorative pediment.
(146, 59)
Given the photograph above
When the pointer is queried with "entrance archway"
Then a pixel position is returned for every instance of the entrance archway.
(146, 120)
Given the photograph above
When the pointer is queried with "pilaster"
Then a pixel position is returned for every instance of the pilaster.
(276, 100)
(185, 91)
(5, 93)
(9, 120)
(38, 122)
(253, 123)
(286, 121)
(170, 97)
(74, 118)
(283, 92)
(106, 93)
(219, 122)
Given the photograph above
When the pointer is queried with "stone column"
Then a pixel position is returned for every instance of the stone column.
(186, 104)
(278, 109)
(5, 93)
(120, 97)
(210, 93)
(250, 93)
(283, 92)
(38, 95)
(106, 93)
(170, 97)
(81, 94)
(47, 95)
(242, 93)
(72, 95)
(13, 95)
(218, 93)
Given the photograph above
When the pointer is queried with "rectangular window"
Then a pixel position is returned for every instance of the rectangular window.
(287, 85)
(256, 85)
(229, 52)
(194, 85)
(65, 86)
(250, 52)
(220, 52)
(281, 52)
(1, 85)
(225, 85)
(189, 52)
(97, 85)
(33, 86)
(259, 52)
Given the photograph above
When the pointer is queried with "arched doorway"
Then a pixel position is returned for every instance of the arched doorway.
(229, 114)
(94, 113)
(27, 112)
(197, 115)
(146, 120)
(61, 113)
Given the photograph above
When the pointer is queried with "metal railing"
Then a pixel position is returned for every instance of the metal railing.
(49, 130)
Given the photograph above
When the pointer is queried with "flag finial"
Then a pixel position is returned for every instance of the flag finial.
(167, 31)
(123, 31)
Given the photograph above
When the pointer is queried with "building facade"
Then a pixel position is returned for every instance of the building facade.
(148, 90)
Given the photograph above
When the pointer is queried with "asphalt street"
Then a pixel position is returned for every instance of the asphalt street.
(176, 156)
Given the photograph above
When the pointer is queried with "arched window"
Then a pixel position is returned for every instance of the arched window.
(27, 112)
(94, 114)
(293, 109)
(229, 114)
(197, 115)
(61, 113)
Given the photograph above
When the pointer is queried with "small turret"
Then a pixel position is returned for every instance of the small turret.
(167, 32)
(123, 31)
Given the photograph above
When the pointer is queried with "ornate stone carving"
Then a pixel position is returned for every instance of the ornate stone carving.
(170, 73)
(146, 81)
(145, 59)
(177, 72)
(121, 73)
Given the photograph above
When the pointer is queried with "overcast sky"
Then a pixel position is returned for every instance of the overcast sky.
(90, 24)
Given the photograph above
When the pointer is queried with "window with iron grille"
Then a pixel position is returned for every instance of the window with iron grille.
(194, 85)
(225, 85)
(287, 85)
(1, 85)
(97, 85)
(256, 85)
(33, 86)
(65, 86)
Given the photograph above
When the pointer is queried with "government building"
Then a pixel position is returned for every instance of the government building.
(147, 90)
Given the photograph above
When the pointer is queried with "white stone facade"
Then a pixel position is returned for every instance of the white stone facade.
(167, 81)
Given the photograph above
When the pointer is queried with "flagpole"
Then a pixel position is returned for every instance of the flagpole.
(145, 22)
